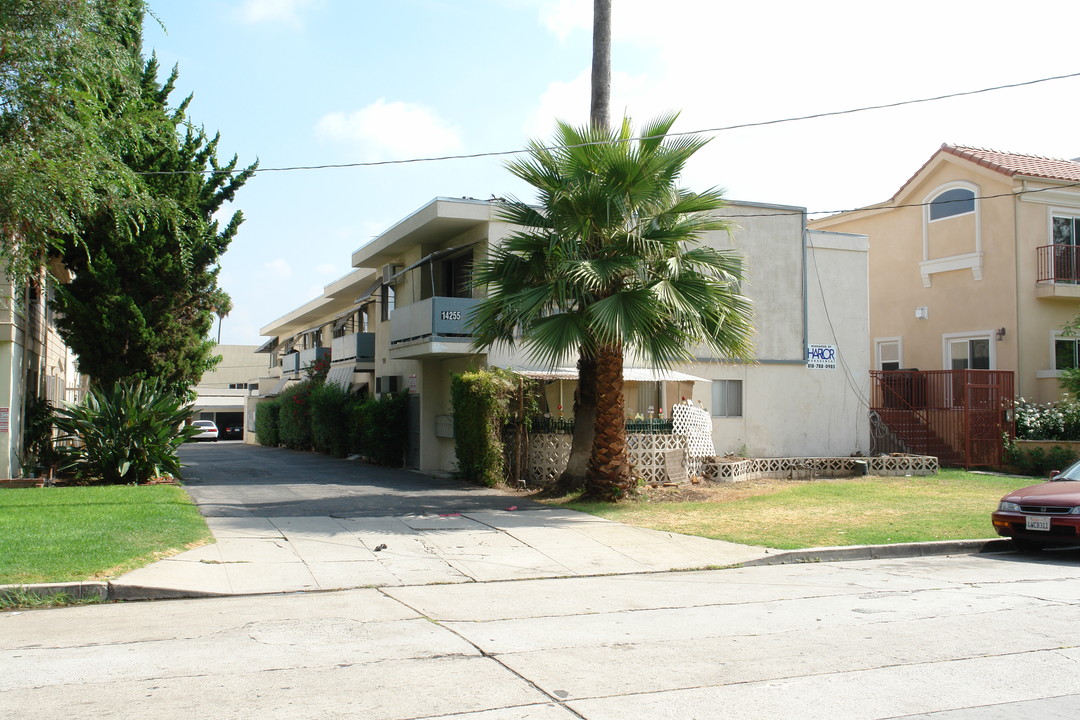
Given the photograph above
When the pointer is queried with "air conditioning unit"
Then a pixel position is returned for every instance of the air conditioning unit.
(388, 272)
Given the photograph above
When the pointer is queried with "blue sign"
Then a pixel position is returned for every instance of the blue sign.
(821, 357)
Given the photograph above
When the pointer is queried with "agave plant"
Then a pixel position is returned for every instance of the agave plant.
(128, 433)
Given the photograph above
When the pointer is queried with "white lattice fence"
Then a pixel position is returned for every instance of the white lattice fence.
(547, 458)
(808, 467)
(549, 453)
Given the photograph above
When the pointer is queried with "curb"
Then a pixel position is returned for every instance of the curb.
(79, 590)
(880, 552)
(108, 592)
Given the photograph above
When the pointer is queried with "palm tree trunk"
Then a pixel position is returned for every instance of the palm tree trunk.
(601, 64)
(573, 477)
(608, 476)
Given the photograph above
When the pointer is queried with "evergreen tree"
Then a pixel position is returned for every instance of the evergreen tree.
(144, 294)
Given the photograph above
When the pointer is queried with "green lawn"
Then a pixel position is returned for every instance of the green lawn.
(859, 511)
(83, 533)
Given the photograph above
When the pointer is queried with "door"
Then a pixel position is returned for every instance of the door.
(412, 446)
(969, 354)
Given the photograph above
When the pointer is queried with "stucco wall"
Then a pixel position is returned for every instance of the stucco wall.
(1001, 293)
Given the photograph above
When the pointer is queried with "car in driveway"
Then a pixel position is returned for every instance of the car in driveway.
(1042, 515)
(232, 432)
(208, 430)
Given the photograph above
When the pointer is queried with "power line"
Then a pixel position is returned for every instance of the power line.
(885, 206)
(704, 131)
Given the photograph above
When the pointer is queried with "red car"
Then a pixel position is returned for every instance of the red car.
(1042, 515)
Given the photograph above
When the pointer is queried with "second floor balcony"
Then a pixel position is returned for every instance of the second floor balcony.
(434, 327)
(1058, 271)
(357, 348)
(295, 363)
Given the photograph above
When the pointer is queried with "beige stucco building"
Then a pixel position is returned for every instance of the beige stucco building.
(973, 264)
(34, 362)
(398, 322)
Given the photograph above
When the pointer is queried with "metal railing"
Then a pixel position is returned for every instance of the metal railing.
(564, 426)
(959, 416)
(1058, 264)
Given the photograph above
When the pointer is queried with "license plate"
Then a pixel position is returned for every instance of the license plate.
(1038, 523)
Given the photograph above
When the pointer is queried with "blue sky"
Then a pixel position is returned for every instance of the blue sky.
(309, 82)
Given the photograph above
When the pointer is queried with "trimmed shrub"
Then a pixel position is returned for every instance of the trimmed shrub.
(480, 403)
(266, 423)
(387, 429)
(1038, 461)
(294, 416)
(330, 420)
(361, 411)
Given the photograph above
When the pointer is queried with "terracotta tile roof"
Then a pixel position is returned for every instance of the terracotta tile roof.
(1015, 164)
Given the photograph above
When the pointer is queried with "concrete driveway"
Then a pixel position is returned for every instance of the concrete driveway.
(231, 479)
(287, 521)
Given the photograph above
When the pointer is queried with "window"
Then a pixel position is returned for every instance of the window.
(1065, 353)
(969, 354)
(958, 201)
(457, 276)
(888, 352)
(238, 386)
(727, 398)
(387, 301)
(1066, 230)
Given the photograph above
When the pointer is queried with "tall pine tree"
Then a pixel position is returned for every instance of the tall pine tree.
(145, 286)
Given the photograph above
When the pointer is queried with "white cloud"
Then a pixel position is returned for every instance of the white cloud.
(391, 131)
(279, 11)
(278, 268)
(569, 101)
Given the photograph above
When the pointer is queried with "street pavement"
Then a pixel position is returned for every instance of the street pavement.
(987, 636)
(460, 602)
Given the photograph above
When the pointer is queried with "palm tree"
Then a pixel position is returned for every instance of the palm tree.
(610, 262)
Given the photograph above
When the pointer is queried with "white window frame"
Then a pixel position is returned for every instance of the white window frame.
(1056, 335)
(948, 338)
(972, 260)
(715, 412)
(879, 342)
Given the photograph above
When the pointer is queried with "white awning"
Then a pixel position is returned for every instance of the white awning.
(267, 346)
(219, 402)
(341, 375)
(631, 374)
(366, 297)
(277, 388)
(437, 255)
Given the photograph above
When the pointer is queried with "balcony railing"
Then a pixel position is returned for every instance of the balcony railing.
(290, 364)
(1058, 264)
(293, 363)
(356, 347)
(437, 319)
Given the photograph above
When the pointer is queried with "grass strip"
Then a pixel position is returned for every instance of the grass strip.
(65, 534)
(952, 505)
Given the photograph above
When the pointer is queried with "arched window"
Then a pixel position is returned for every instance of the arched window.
(957, 201)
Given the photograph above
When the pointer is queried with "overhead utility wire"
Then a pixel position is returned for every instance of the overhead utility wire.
(886, 206)
(501, 153)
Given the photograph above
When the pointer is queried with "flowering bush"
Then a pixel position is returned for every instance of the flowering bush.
(1050, 421)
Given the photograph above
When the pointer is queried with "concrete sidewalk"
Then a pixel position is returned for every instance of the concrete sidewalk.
(256, 555)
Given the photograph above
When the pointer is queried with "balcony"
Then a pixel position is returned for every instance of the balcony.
(290, 364)
(293, 363)
(431, 328)
(357, 348)
(1058, 272)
